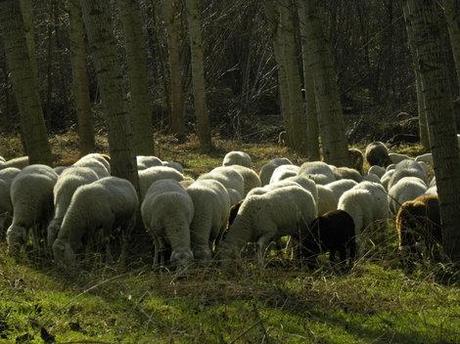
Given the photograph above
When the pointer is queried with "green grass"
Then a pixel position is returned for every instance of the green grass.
(375, 303)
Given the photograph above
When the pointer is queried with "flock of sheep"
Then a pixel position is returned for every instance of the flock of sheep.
(72, 211)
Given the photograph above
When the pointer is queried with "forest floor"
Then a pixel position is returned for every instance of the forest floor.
(376, 302)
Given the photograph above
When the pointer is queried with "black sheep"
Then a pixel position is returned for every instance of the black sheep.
(333, 232)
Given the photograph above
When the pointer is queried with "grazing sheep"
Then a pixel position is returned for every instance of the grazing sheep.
(212, 208)
(347, 173)
(267, 170)
(32, 200)
(340, 186)
(397, 158)
(356, 159)
(377, 170)
(186, 182)
(235, 196)
(251, 179)
(386, 178)
(408, 168)
(377, 154)
(406, 189)
(103, 212)
(267, 217)
(20, 162)
(167, 212)
(2, 159)
(228, 176)
(283, 172)
(146, 161)
(68, 182)
(319, 171)
(427, 158)
(327, 200)
(391, 167)
(175, 165)
(432, 190)
(150, 175)
(7, 176)
(102, 158)
(60, 169)
(368, 206)
(372, 178)
(95, 162)
(333, 232)
(237, 158)
(417, 220)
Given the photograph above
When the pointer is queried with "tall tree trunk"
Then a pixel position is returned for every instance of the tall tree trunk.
(80, 83)
(97, 16)
(25, 83)
(330, 115)
(172, 13)
(298, 132)
(199, 83)
(28, 18)
(423, 125)
(425, 24)
(309, 86)
(452, 12)
(136, 55)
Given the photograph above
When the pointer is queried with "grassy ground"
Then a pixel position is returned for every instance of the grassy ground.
(375, 303)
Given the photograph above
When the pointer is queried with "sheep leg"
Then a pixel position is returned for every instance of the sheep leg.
(262, 245)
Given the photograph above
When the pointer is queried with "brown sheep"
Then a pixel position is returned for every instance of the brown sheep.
(377, 154)
(333, 232)
(417, 220)
(356, 159)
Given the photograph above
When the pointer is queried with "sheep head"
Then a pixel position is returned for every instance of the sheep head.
(16, 236)
(63, 253)
(52, 231)
(181, 257)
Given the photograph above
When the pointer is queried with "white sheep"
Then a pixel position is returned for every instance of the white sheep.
(266, 171)
(327, 200)
(212, 209)
(406, 189)
(250, 177)
(267, 217)
(347, 173)
(96, 162)
(68, 182)
(367, 204)
(427, 158)
(385, 180)
(186, 182)
(237, 158)
(340, 186)
(175, 165)
(167, 212)
(146, 161)
(377, 170)
(408, 168)
(370, 177)
(283, 172)
(20, 162)
(60, 169)
(103, 212)
(228, 176)
(397, 158)
(432, 182)
(319, 171)
(152, 174)
(32, 200)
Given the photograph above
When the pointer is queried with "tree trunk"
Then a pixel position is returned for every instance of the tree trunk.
(28, 18)
(423, 125)
(425, 23)
(330, 115)
(199, 83)
(452, 12)
(25, 84)
(297, 135)
(136, 55)
(80, 83)
(309, 86)
(98, 22)
(171, 14)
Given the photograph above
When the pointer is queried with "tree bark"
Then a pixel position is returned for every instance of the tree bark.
(423, 125)
(28, 18)
(309, 87)
(424, 21)
(80, 83)
(330, 115)
(452, 12)
(136, 55)
(97, 17)
(198, 78)
(171, 14)
(25, 83)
